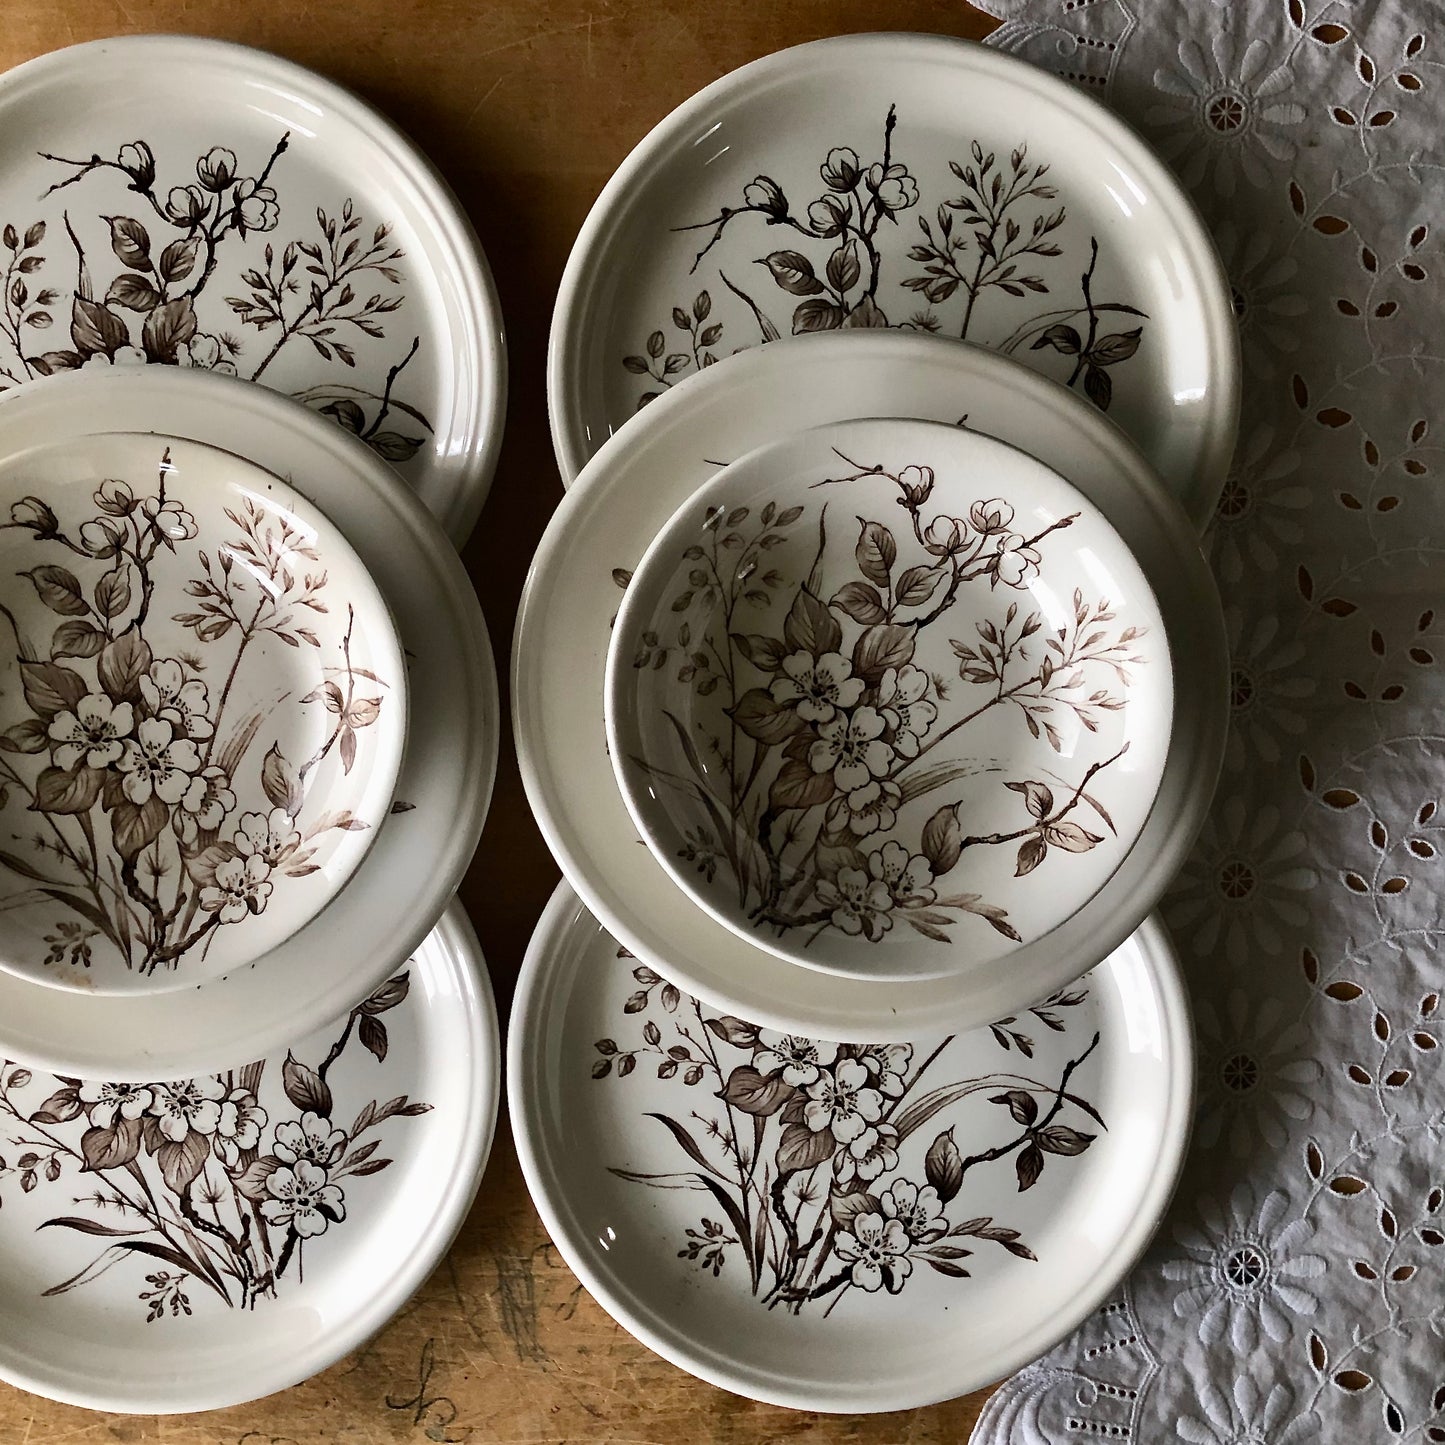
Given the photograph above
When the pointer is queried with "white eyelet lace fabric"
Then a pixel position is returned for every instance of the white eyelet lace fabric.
(1296, 1291)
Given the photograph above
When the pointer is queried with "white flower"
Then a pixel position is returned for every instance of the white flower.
(303, 1199)
(206, 802)
(95, 731)
(242, 886)
(107, 1101)
(1265, 684)
(256, 207)
(904, 707)
(1252, 1072)
(271, 836)
(1243, 1417)
(907, 876)
(841, 169)
(204, 352)
(990, 516)
(182, 703)
(155, 764)
(1015, 561)
(124, 356)
(849, 748)
(104, 536)
(799, 1060)
(311, 1139)
(859, 904)
(878, 1252)
(873, 1152)
(1223, 109)
(192, 1106)
(1255, 513)
(919, 1211)
(1241, 1271)
(169, 520)
(873, 808)
(217, 168)
(843, 1102)
(1262, 285)
(944, 535)
(818, 687)
(887, 1063)
(895, 188)
(239, 1127)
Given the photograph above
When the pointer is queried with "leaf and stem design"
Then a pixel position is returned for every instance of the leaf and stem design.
(224, 1181)
(334, 293)
(831, 722)
(811, 1156)
(131, 759)
(995, 243)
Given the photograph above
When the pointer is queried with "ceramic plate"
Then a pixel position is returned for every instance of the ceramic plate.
(190, 202)
(407, 877)
(909, 181)
(193, 1245)
(845, 1228)
(626, 495)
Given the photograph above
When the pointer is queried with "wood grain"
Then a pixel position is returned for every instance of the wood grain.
(526, 108)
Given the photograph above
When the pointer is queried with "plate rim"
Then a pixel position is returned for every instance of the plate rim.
(565, 345)
(536, 994)
(478, 314)
(462, 957)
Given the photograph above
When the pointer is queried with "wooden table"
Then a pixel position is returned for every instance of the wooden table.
(526, 106)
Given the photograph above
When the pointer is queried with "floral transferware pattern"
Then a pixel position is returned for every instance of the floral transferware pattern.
(153, 814)
(207, 1193)
(145, 242)
(1295, 1293)
(974, 251)
(825, 780)
(830, 1171)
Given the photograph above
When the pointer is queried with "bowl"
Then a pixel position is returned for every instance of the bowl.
(203, 711)
(890, 702)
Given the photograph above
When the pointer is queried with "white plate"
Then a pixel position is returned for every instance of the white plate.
(109, 152)
(347, 1188)
(632, 488)
(720, 231)
(631, 1156)
(411, 871)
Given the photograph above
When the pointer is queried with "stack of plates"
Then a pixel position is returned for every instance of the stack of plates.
(869, 688)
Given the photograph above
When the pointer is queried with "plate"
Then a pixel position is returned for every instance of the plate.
(911, 181)
(186, 201)
(204, 713)
(954, 1205)
(626, 495)
(409, 874)
(796, 766)
(189, 1246)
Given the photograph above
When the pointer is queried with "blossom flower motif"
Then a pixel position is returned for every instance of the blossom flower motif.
(217, 168)
(303, 1199)
(886, 1063)
(95, 731)
(764, 194)
(1257, 518)
(157, 764)
(311, 1140)
(895, 189)
(256, 207)
(182, 703)
(849, 748)
(1266, 684)
(138, 162)
(169, 520)
(907, 876)
(115, 498)
(919, 1211)
(1254, 1073)
(1227, 111)
(103, 537)
(904, 707)
(1242, 1272)
(187, 205)
(877, 1249)
(991, 516)
(107, 1102)
(204, 351)
(1262, 285)
(873, 807)
(272, 836)
(1245, 1415)
(122, 356)
(239, 1127)
(945, 534)
(917, 484)
(843, 1102)
(859, 904)
(206, 802)
(242, 886)
(1245, 882)
(37, 515)
(827, 216)
(799, 1060)
(192, 1106)
(841, 169)
(873, 1152)
(817, 687)
(1014, 562)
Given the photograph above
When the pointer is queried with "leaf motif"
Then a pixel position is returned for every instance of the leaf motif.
(133, 292)
(372, 1033)
(59, 590)
(178, 259)
(250, 1183)
(684, 1138)
(112, 592)
(800, 1149)
(861, 602)
(793, 271)
(798, 786)
(942, 840)
(73, 639)
(167, 327)
(843, 269)
(388, 996)
(1032, 852)
(810, 626)
(181, 1162)
(50, 688)
(1120, 346)
(1029, 1165)
(306, 1089)
(1060, 1139)
(111, 1148)
(122, 665)
(1021, 1104)
(1061, 338)
(816, 314)
(1098, 387)
(917, 585)
(280, 781)
(130, 241)
(1071, 837)
(60, 1108)
(394, 447)
(755, 1093)
(845, 1208)
(136, 827)
(876, 551)
(346, 413)
(95, 329)
(90, 1226)
(943, 1166)
(765, 720)
(765, 653)
(881, 647)
(57, 791)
